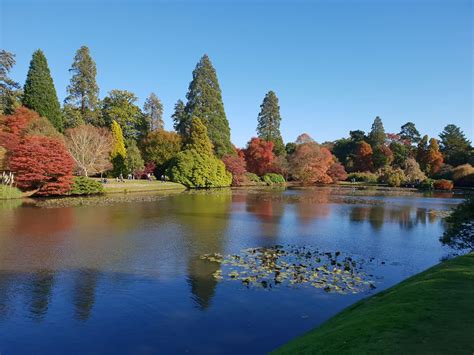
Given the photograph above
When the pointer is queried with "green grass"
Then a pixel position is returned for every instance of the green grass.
(140, 186)
(9, 192)
(430, 313)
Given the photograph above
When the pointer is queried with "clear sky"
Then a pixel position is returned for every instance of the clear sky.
(334, 64)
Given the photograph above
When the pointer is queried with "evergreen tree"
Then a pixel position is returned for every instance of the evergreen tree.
(409, 133)
(422, 151)
(198, 139)
(9, 89)
(181, 122)
(133, 162)
(454, 145)
(83, 90)
(119, 153)
(377, 133)
(39, 92)
(269, 120)
(153, 109)
(205, 101)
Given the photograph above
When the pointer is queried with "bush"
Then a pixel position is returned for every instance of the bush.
(363, 177)
(253, 177)
(273, 179)
(198, 170)
(443, 185)
(86, 186)
(428, 184)
(9, 192)
(463, 175)
(392, 177)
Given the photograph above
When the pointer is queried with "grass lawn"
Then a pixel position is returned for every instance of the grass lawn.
(429, 313)
(113, 186)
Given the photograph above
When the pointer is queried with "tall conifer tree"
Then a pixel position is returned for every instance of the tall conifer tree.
(39, 92)
(377, 133)
(205, 102)
(83, 91)
(269, 120)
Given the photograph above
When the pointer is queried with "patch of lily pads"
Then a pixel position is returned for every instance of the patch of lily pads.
(294, 266)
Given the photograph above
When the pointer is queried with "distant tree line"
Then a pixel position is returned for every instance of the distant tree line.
(45, 143)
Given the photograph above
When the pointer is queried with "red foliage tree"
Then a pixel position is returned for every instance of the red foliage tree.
(259, 156)
(337, 172)
(39, 162)
(235, 164)
(363, 157)
(310, 163)
(42, 164)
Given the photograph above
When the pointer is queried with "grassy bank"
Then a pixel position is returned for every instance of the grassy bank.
(113, 186)
(432, 312)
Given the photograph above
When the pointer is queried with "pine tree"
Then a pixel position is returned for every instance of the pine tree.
(39, 92)
(83, 90)
(377, 133)
(454, 145)
(153, 109)
(119, 153)
(409, 133)
(269, 120)
(205, 101)
(181, 123)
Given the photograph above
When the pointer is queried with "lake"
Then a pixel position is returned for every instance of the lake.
(107, 275)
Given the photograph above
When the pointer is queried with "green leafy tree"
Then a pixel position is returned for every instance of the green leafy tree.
(377, 133)
(119, 153)
(408, 132)
(197, 166)
(160, 146)
(72, 116)
(269, 120)
(153, 109)
(357, 136)
(83, 91)
(205, 101)
(9, 89)
(454, 145)
(134, 161)
(39, 93)
(120, 106)
(400, 151)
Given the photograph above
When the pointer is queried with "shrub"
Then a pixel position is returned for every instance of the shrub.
(392, 177)
(428, 184)
(443, 185)
(197, 170)
(337, 172)
(363, 177)
(463, 175)
(9, 192)
(273, 179)
(413, 172)
(253, 177)
(86, 186)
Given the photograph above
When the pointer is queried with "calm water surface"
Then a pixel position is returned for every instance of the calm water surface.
(126, 277)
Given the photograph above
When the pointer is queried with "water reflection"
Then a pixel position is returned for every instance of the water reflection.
(85, 267)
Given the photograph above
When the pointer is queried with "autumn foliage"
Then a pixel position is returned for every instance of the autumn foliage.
(235, 164)
(259, 156)
(310, 163)
(363, 157)
(40, 163)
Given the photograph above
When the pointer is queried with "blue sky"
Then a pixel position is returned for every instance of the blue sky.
(334, 64)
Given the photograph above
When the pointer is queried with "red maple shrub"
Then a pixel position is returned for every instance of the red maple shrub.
(337, 172)
(443, 184)
(235, 164)
(40, 163)
(259, 156)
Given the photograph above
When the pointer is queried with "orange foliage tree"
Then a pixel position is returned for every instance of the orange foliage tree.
(259, 156)
(362, 157)
(310, 163)
(433, 158)
(235, 164)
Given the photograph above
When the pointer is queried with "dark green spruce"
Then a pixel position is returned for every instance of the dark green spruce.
(205, 102)
(377, 133)
(269, 119)
(39, 92)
